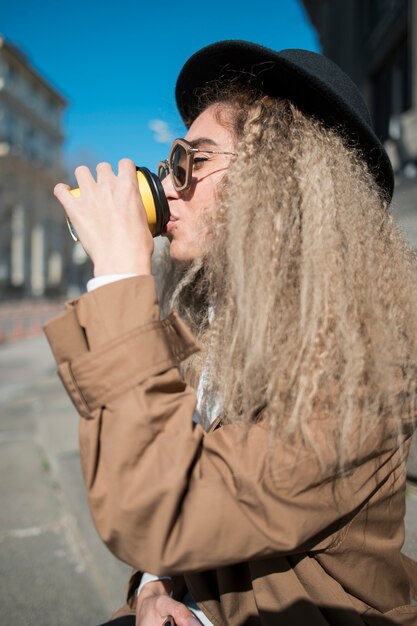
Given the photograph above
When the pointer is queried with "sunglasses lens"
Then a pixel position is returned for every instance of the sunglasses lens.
(162, 171)
(179, 165)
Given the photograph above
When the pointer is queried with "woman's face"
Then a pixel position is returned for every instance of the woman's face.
(185, 229)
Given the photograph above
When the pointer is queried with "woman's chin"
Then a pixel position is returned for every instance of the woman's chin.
(181, 252)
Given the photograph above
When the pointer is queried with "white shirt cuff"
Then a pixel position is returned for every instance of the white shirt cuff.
(149, 578)
(99, 281)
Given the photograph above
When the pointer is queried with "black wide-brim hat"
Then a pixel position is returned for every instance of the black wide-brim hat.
(310, 80)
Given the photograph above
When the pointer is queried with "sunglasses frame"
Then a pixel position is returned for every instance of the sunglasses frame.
(189, 152)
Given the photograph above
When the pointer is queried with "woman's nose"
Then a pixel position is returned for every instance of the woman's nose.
(169, 188)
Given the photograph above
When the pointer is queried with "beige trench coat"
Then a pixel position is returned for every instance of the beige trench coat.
(257, 538)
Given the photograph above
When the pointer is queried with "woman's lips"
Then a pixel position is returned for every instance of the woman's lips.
(171, 223)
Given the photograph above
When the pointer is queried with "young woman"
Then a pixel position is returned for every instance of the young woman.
(254, 455)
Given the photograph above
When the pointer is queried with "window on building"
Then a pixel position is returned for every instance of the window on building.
(378, 10)
(391, 89)
(32, 94)
(48, 156)
(51, 108)
(30, 144)
(10, 129)
(11, 72)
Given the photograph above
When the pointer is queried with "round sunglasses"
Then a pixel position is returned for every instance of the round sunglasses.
(180, 163)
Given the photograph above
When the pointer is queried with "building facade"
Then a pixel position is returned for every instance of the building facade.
(375, 42)
(35, 250)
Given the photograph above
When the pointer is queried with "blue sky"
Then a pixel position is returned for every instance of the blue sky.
(117, 62)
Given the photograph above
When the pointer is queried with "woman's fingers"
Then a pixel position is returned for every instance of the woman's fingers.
(127, 169)
(84, 177)
(183, 616)
(63, 194)
(157, 609)
(61, 189)
(104, 171)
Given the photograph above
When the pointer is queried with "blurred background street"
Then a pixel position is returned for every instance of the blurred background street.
(112, 95)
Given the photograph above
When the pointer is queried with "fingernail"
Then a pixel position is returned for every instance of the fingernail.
(192, 621)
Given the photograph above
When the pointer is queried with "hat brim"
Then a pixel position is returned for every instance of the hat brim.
(310, 80)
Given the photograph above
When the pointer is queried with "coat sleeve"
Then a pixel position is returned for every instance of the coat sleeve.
(165, 496)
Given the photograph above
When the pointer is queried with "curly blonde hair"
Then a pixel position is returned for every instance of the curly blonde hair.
(313, 289)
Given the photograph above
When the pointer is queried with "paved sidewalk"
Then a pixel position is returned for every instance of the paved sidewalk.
(24, 318)
(54, 569)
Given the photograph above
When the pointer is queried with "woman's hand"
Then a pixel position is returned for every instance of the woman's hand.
(110, 219)
(154, 606)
